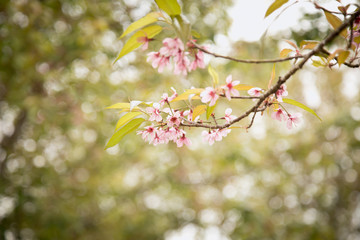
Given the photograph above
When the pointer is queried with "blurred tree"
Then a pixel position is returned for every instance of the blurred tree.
(57, 182)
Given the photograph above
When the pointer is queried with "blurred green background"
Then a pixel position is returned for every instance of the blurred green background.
(58, 182)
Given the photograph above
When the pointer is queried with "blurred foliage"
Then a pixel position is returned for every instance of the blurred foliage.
(57, 182)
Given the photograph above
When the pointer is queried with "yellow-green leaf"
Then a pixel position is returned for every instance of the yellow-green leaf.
(187, 93)
(127, 117)
(119, 106)
(243, 87)
(171, 7)
(198, 110)
(214, 75)
(356, 39)
(133, 42)
(142, 22)
(342, 57)
(306, 44)
(210, 110)
(272, 77)
(131, 126)
(275, 5)
(317, 63)
(335, 22)
(300, 105)
(285, 52)
(291, 43)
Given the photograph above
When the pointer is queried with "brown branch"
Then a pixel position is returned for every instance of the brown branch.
(245, 60)
(240, 97)
(286, 77)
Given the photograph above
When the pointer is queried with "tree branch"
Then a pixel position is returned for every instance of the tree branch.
(283, 79)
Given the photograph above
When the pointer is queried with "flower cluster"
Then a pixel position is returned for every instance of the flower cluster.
(291, 119)
(167, 123)
(174, 50)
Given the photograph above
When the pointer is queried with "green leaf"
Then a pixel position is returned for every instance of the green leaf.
(127, 117)
(317, 63)
(133, 42)
(128, 128)
(171, 7)
(300, 105)
(142, 22)
(335, 22)
(185, 95)
(214, 75)
(195, 34)
(243, 87)
(285, 52)
(342, 57)
(275, 5)
(210, 110)
(198, 110)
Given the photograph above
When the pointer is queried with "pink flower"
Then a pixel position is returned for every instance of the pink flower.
(224, 132)
(181, 65)
(281, 92)
(145, 41)
(173, 119)
(148, 134)
(208, 136)
(158, 139)
(278, 115)
(158, 61)
(154, 112)
(183, 140)
(172, 47)
(228, 117)
(198, 61)
(209, 95)
(255, 92)
(229, 87)
(165, 97)
(293, 119)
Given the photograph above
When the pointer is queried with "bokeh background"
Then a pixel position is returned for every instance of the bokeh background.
(58, 182)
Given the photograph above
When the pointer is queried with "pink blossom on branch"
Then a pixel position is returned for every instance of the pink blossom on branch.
(228, 117)
(278, 115)
(154, 112)
(198, 61)
(183, 140)
(229, 87)
(209, 95)
(173, 119)
(293, 119)
(282, 92)
(255, 92)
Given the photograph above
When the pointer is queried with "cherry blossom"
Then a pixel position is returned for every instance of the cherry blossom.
(228, 117)
(181, 65)
(255, 92)
(209, 95)
(173, 119)
(293, 119)
(183, 140)
(172, 47)
(166, 99)
(145, 40)
(198, 61)
(154, 112)
(229, 87)
(282, 92)
(158, 61)
(148, 134)
(278, 115)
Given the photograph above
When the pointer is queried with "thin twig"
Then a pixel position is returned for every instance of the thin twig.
(240, 97)
(246, 60)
